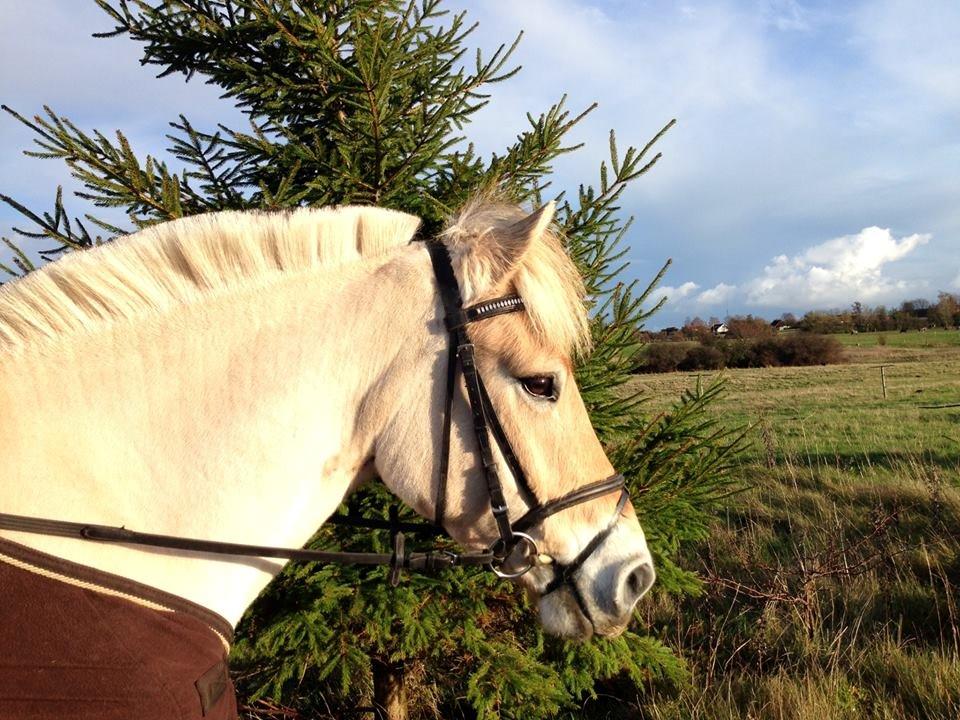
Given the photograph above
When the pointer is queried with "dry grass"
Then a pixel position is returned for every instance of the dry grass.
(831, 589)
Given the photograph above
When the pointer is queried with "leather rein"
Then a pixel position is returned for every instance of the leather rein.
(513, 536)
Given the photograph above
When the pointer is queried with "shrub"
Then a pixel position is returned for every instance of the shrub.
(737, 353)
(792, 349)
(808, 349)
(663, 357)
(702, 357)
(766, 353)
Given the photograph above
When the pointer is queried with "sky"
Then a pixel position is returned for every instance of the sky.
(815, 161)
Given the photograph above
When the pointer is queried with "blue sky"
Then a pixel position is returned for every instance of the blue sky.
(816, 159)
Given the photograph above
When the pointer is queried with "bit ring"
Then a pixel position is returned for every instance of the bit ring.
(532, 553)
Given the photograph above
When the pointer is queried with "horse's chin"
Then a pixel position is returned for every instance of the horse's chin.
(563, 618)
(560, 615)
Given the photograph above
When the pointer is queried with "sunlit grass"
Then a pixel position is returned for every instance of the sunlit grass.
(912, 339)
(832, 587)
(836, 415)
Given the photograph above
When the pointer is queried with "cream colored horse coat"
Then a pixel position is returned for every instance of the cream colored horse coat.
(234, 376)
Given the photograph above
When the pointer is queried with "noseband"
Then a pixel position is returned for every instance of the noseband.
(513, 536)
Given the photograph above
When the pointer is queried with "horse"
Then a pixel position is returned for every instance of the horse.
(235, 376)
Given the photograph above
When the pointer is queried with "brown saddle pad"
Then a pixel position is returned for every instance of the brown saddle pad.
(71, 652)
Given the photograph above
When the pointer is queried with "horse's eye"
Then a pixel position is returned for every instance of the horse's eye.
(539, 386)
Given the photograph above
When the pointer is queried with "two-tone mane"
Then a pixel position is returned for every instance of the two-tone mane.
(193, 258)
(188, 260)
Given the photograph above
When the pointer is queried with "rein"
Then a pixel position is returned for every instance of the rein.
(513, 536)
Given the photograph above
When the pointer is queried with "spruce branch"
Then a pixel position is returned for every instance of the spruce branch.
(55, 226)
(20, 260)
(110, 171)
(219, 171)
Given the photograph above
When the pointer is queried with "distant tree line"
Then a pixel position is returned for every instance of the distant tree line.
(914, 314)
(714, 353)
(910, 315)
(744, 341)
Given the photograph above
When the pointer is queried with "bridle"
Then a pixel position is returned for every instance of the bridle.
(514, 537)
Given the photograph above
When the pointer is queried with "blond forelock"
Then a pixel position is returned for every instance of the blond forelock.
(545, 277)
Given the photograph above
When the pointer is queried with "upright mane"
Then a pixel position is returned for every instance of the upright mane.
(546, 278)
(181, 261)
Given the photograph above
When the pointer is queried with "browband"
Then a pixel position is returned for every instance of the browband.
(482, 311)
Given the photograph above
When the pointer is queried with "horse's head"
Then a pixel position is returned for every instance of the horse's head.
(525, 362)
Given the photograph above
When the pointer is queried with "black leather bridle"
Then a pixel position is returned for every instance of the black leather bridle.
(513, 537)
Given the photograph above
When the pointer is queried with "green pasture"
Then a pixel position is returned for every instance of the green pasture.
(836, 416)
(912, 339)
(832, 583)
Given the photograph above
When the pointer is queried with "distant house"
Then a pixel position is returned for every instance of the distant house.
(670, 330)
(780, 325)
(719, 329)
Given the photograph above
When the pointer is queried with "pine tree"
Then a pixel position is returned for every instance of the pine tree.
(368, 102)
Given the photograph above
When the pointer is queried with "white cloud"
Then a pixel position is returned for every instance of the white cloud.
(673, 294)
(956, 282)
(718, 294)
(836, 272)
(684, 297)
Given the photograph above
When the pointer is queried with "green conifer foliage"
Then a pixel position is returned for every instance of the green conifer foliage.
(369, 101)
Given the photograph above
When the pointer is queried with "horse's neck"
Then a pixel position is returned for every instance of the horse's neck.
(245, 419)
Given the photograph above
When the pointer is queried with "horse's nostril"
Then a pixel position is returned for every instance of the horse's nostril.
(637, 582)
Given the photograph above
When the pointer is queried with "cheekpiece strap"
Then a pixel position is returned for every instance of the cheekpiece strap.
(446, 279)
(509, 456)
(456, 317)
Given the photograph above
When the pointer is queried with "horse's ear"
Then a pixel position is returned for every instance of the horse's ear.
(489, 259)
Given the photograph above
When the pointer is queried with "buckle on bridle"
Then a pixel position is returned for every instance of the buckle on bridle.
(531, 556)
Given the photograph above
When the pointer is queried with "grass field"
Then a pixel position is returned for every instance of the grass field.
(923, 340)
(832, 586)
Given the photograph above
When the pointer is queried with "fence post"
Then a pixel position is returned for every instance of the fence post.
(883, 379)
